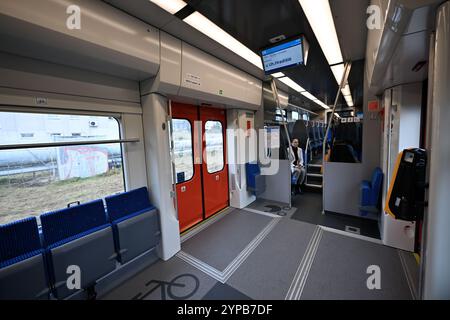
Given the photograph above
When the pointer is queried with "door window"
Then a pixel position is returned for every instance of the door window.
(184, 160)
(214, 146)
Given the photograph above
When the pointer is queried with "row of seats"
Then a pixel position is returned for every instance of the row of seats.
(316, 135)
(94, 238)
(347, 143)
(304, 130)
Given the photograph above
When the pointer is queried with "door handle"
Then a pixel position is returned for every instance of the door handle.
(217, 178)
(198, 142)
(183, 189)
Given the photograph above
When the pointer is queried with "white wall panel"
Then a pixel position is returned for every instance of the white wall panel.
(207, 78)
(159, 171)
(437, 241)
(107, 40)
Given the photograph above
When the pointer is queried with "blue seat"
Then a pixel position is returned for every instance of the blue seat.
(135, 223)
(22, 265)
(78, 236)
(256, 183)
(370, 193)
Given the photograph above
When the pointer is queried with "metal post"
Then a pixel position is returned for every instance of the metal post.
(174, 195)
(284, 122)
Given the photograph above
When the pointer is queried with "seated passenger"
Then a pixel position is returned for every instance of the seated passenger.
(297, 165)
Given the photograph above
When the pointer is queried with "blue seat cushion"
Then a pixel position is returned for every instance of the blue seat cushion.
(66, 224)
(128, 203)
(19, 240)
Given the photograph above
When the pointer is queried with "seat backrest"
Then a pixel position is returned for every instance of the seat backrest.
(131, 202)
(62, 225)
(19, 240)
(23, 272)
(81, 236)
(343, 152)
(252, 168)
(377, 179)
(317, 132)
(251, 171)
(313, 132)
(300, 131)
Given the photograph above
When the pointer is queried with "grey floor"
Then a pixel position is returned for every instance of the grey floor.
(309, 209)
(249, 255)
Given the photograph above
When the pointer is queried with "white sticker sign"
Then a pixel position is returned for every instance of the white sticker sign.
(41, 101)
(192, 79)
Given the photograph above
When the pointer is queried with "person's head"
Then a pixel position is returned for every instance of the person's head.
(295, 142)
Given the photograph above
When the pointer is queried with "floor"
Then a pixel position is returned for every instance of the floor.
(309, 209)
(272, 252)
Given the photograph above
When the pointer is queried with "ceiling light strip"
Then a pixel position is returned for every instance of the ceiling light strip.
(171, 6)
(320, 17)
(211, 30)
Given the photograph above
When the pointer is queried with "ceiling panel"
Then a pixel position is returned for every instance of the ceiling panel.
(253, 23)
(350, 21)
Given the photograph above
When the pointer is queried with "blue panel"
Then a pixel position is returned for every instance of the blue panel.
(365, 193)
(127, 203)
(252, 170)
(377, 179)
(19, 240)
(60, 225)
(370, 190)
(293, 43)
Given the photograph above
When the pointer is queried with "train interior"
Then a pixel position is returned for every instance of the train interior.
(224, 150)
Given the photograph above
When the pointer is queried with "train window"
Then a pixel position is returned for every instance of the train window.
(39, 177)
(214, 146)
(184, 160)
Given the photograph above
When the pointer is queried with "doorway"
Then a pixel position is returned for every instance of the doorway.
(199, 144)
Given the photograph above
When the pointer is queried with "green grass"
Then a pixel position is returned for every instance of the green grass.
(20, 200)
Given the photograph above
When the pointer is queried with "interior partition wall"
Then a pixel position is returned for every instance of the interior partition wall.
(436, 257)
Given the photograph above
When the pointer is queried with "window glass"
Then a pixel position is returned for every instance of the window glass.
(38, 180)
(214, 146)
(184, 160)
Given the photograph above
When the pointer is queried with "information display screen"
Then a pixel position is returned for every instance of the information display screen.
(283, 56)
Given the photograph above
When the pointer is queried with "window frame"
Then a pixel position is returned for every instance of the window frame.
(70, 113)
(223, 145)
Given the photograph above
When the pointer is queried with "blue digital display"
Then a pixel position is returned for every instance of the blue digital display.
(283, 56)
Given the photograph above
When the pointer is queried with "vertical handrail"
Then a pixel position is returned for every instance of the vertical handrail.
(277, 101)
(174, 195)
(348, 66)
(284, 122)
